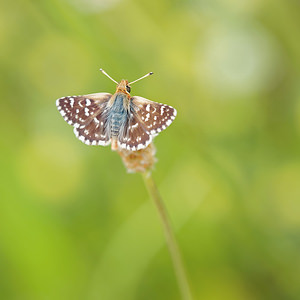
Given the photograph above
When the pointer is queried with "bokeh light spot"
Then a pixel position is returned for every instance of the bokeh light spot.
(93, 6)
(238, 60)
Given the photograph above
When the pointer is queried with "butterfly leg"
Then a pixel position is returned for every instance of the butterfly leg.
(114, 143)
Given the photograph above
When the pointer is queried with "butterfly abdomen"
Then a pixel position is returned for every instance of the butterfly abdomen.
(117, 115)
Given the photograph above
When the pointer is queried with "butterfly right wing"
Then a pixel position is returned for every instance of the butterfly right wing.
(134, 136)
(88, 115)
(155, 116)
(146, 120)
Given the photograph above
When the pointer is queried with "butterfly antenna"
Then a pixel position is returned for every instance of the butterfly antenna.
(108, 76)
(141, 78)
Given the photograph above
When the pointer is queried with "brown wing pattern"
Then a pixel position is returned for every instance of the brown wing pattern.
(134, 136)
(155, 116)
(94, 133)
(87, 115)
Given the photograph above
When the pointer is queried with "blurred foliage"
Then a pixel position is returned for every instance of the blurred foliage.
(75, 225)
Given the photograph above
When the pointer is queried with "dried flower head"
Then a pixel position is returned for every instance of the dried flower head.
(138, 161)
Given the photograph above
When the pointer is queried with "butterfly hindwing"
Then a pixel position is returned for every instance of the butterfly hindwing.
(88, 116)
(146, 120)
(134, 136)
(154, 116)
(94, 133)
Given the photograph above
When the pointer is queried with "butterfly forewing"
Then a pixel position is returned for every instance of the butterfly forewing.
(88, 115)
(154, 116)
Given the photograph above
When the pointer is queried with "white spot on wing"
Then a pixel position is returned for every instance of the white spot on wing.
(76, 132)
(140, 146)
(168, 122)
(147, 117)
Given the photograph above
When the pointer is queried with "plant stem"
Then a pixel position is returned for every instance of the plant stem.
(170, 237)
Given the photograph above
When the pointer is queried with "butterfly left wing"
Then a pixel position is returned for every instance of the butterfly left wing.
(88, 116)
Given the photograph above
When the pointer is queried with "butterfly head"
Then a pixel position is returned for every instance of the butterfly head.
(123, 87)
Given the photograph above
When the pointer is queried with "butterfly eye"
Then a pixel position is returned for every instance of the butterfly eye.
(128, 88)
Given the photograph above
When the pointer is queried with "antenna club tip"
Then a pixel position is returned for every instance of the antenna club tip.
(150, 73)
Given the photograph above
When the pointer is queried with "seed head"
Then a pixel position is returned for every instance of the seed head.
(138, 161)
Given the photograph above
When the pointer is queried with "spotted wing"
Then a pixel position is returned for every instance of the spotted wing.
(146, 119)
(134, 136)
(88, 115)
(154, 116)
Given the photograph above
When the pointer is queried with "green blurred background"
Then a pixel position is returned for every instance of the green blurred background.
(75, 225)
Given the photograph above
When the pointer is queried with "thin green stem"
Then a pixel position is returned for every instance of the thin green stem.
(170, 237)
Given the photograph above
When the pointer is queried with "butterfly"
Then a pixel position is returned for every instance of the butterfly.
(121, 120)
